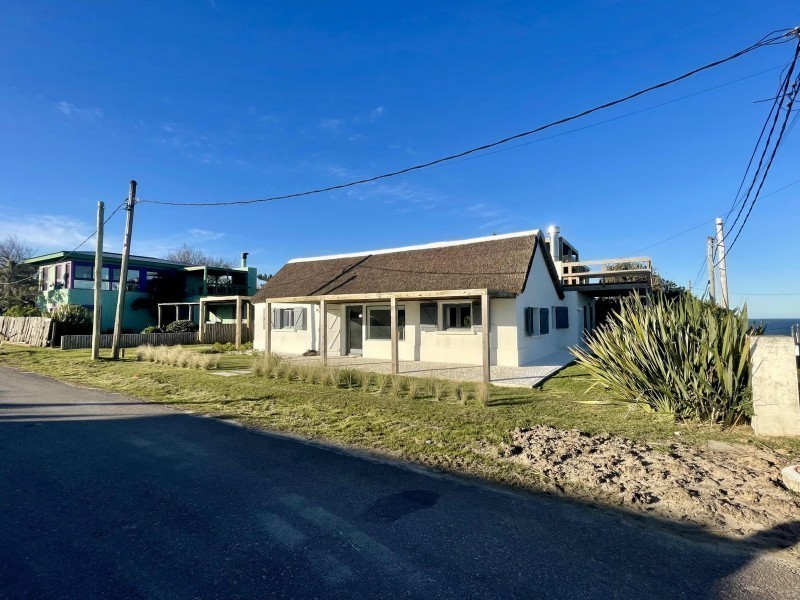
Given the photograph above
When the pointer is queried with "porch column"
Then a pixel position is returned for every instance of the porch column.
(201, 329)
(393, 307)
(323, 332)
(177, 312)
(487, 348)
(238, 322)
(268, 332)
(190, 312)
(159, 315)
(250, 318)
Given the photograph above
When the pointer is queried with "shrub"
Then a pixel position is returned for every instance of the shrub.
(412, 388)
(439, 389)
(152, 329)
(181, 327)
(22, 311)
(682, 356)
(71, 319)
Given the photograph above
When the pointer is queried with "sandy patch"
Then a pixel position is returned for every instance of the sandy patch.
(734, 490)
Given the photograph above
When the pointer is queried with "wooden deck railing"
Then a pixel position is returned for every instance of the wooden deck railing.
(638, 269)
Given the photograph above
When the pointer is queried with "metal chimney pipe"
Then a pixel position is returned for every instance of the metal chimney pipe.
(244, 260)
(555, 242)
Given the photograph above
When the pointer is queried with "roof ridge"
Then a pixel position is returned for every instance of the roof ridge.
(429, 246)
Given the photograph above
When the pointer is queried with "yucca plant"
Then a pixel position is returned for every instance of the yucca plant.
(682, 355)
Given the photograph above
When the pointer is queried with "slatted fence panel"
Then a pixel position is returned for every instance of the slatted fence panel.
(34, 331)
(130, 340)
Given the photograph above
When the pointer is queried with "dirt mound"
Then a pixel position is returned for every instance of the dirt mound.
(734, 490)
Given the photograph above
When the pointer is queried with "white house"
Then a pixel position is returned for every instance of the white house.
(441, 293)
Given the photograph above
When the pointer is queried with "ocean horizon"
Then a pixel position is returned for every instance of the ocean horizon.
(777, 326)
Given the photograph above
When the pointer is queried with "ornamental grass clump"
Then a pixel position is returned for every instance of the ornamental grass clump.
(682, 356)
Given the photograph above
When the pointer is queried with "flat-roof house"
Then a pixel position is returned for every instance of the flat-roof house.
(429, 303)
(68, 278)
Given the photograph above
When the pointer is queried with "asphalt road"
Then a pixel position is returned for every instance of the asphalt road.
(102, 496)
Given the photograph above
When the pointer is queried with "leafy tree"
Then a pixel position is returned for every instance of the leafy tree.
(193, 256)
(18, 282)
(264, 277)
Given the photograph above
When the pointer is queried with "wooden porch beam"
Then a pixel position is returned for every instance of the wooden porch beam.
(323, 332)
(238, 317)
(429, 295)
(393, 323)
(485, 331)
(268, 332)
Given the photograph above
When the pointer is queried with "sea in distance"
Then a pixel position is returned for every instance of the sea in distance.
(777, 326)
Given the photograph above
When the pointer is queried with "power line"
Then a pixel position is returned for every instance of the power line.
(789, 97)
(68, 254)
(767, 40)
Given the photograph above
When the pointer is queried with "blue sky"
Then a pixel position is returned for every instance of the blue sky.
(220, 100)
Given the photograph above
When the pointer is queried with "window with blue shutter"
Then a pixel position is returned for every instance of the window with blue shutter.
(544, 321)
(562, 317)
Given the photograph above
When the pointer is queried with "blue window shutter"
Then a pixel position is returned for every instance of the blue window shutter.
(562, 317)
(544, 320)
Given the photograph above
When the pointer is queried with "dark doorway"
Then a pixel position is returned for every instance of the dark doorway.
(355, 329)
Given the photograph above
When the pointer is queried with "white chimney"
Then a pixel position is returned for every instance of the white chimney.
(555, 242)
(244, 260)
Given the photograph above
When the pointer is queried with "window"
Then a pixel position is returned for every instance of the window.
(562, 317)
(84, 277)
(43, 278)
(289, 318)
(133, 280)
(110, 278)
(537, 321)
(429, 316)
(379, 323)
(58, 282)
(458, 316)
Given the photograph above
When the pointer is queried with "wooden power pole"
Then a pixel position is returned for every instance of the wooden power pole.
(723, 274)
(98, 284)
(712, 283)
(123, 275)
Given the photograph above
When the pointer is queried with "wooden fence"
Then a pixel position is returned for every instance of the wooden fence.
(34, 331)
(217, 332)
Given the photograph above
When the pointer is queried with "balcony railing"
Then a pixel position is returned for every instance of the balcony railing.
(631, 270)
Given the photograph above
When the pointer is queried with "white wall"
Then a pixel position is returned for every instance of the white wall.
(540, 293)
(287, 341)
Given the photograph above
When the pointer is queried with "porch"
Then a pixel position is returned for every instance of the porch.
(478, 323)
(527, 376)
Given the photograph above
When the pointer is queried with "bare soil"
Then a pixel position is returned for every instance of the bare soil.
(732, 489)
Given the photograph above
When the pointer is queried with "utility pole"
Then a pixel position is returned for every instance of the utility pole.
(712, 283)
(98, 283)
(723, 275)
(123, 275)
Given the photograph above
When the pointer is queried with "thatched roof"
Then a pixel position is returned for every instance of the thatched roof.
(499, 264)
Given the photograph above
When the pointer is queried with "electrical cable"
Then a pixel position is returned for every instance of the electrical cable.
(767, 40)
(71, 252)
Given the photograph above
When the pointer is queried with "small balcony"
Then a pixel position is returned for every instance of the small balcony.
(608, 277)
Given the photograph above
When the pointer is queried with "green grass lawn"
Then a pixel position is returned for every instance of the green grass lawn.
(463, 438)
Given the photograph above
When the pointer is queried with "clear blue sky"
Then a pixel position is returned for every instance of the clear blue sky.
(224, 100)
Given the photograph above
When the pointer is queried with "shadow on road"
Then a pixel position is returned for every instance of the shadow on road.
(138, 501)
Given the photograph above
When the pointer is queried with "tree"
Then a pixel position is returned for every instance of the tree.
(265, 277)
(18, 281)
(193, 256)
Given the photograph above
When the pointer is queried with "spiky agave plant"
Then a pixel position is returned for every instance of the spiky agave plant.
(682, 355)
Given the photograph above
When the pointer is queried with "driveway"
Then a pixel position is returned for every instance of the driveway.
(102, 496)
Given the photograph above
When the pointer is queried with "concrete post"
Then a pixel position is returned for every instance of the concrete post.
(776, 403)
